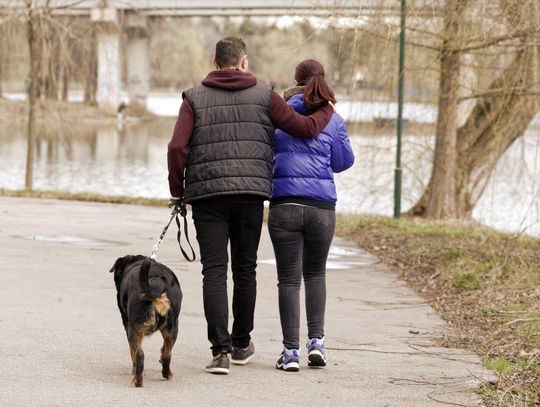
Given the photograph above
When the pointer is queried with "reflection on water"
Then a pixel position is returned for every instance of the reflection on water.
(133, 162)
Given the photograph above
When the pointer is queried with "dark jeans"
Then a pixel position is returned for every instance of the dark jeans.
(216, 223)
(301, 236)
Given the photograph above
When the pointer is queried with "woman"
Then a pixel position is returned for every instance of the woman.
(302, 214)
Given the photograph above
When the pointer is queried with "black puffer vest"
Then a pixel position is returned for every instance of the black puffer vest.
(231, 150)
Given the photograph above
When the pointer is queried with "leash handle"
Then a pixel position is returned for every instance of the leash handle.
(183, 212)
(179, 208)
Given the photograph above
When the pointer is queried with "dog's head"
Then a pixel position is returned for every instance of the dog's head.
(120, 265)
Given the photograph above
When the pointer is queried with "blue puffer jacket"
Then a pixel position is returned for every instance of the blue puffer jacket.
(305, 167)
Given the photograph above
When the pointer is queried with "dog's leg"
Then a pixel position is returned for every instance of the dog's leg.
(137, 357)
(168, 342)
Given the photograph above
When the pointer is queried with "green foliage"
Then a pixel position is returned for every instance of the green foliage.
(467, 279)
(500, 365)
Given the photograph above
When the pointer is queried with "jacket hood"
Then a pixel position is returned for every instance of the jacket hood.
(293, 91)
(231, 79)
(295, 98)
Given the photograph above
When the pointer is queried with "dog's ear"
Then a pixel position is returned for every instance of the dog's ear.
(119, 265)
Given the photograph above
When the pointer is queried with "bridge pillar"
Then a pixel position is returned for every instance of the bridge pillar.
(138, 58)
(108, 58)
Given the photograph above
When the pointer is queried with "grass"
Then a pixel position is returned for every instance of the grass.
(486, 284)
(85, 197)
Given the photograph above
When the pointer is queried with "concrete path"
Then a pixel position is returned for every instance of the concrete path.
(63, 344)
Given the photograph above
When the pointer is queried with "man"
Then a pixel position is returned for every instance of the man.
(223, 141)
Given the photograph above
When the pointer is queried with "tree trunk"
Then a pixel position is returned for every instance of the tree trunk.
(493, 125)
(50, 60)
(90, 82)
(495, 122)
(466, 156)
(439, 199)
(65, 82)
(440, 202)
(1, 59)
(2, 56)
(33, 46)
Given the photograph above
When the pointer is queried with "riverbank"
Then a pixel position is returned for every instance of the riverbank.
(82, 197)
(484, 283)
(53, 113)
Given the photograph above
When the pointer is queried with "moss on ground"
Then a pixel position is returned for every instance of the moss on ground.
(484, 282)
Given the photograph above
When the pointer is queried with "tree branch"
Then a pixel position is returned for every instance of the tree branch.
(396, 39)
(495, 40)
(497, 93)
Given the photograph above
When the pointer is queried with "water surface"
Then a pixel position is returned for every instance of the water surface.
(132, 161)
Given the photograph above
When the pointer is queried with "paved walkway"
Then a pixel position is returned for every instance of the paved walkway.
(63, 344)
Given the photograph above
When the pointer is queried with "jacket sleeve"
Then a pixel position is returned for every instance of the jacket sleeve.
(342, 154)
(178, 149)
(285, 118)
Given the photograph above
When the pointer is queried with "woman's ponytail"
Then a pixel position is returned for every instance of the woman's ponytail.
(317, 93)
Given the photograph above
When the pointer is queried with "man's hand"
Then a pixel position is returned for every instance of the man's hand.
(173, 201)
(179, 204)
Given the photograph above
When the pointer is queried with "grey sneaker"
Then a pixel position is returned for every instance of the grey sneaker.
(219, 364)
(240, 356)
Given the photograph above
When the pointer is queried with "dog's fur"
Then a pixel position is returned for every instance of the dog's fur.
(149, 298)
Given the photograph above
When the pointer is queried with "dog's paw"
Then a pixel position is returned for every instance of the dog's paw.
(136, 383)
(167, 375)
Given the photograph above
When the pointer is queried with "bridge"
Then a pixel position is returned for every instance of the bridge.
(323, 8)
(113, 17)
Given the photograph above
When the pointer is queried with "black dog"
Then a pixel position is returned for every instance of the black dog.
(149, 298)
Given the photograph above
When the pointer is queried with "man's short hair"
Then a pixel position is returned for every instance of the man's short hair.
(229, 51)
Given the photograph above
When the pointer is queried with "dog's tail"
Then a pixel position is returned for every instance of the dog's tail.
(147, 291)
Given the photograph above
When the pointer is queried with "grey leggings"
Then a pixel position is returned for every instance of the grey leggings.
(301, 236)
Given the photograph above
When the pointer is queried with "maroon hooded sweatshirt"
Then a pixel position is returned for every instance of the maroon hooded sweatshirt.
(281, 114)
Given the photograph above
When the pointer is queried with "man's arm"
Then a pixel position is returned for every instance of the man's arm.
(178, 149)
(285, 118)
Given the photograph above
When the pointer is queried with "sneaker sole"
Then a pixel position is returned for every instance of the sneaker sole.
(289, 367)
(316, 359)
(217, 370)
(241, 361)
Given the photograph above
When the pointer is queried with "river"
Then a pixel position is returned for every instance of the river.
(132, 162)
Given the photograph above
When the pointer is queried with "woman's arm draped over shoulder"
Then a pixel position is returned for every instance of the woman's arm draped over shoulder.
(342, 154)
(285, 118)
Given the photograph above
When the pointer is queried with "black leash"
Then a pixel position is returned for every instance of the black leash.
(179, 208)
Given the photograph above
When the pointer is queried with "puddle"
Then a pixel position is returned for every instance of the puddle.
(72, 240)
(344, 251)
(336, 254)
(330, 265)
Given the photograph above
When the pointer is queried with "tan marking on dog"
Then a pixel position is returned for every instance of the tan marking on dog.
(162, 304)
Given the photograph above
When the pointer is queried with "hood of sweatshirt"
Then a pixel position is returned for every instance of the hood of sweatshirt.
(231, 79)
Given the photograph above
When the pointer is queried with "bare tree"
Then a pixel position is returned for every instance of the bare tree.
(44, 57)
(32, 23)
(466, 155)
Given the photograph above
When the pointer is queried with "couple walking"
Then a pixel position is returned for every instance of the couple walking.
(237, 143)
